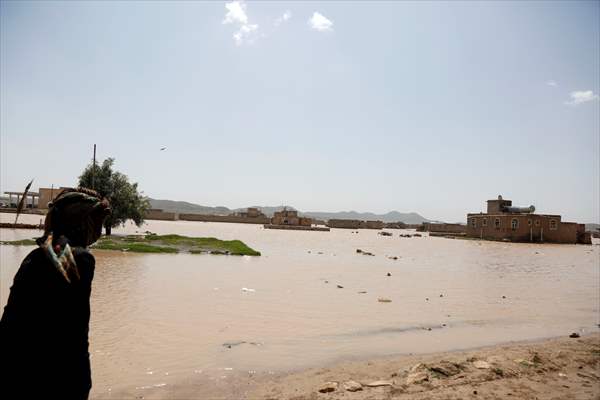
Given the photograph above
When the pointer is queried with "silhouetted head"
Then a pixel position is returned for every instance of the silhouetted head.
(78, 215)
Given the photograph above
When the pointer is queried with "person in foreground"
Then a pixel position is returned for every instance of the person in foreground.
(44, 327)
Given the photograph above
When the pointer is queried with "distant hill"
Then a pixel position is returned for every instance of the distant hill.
(191, 208)
(188, 208)
(392, 216)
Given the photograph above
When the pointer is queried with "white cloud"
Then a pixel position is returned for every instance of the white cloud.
(247, 34)
(320, 23)
(580, 97)
(283, 18)
(236, 13)
(551, 83)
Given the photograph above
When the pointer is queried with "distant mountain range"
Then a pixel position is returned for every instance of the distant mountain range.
(185, 207)
(191, 208)
(392, 216)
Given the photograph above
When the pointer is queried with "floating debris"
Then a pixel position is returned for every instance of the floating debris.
(384, 300)
(366, 253)
(229, 345)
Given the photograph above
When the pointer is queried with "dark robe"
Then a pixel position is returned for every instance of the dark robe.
(44, 331)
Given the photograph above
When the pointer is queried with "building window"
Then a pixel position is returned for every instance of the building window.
(553, 225)
(497, 223)
(473, 222)
(528, 222)
(537, 222)
(484, 222)
(514, 224)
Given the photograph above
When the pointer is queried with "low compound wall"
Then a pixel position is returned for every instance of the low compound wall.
(225, 218)
(354, 224)
(444, 228)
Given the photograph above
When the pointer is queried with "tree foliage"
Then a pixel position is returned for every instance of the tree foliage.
(126, 201)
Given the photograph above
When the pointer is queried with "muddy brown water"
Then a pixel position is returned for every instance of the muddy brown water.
(161, 319)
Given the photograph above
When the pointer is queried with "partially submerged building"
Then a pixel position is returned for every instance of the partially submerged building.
(354, 224)
(289, 219)
(49, 194)
(502, 221)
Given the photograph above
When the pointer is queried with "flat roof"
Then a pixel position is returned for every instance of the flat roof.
(21, 193)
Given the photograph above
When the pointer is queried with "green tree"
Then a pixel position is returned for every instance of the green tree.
(126, 201)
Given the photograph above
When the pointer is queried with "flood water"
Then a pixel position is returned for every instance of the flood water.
(159, 319)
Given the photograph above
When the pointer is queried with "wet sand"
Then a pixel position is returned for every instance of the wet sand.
(563, 368)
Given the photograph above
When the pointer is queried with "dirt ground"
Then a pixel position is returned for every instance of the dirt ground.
(565, 368)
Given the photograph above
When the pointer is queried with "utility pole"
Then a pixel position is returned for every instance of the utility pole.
(94, 168)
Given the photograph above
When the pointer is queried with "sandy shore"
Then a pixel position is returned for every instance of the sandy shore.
(563, 368)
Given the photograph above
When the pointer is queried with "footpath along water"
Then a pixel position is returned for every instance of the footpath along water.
(162, 319)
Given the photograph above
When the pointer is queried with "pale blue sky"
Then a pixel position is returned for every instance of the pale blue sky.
(431, 107)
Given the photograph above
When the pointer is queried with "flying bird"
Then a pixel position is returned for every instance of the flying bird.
(163, 148)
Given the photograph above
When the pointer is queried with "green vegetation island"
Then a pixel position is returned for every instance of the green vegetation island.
(153, 243)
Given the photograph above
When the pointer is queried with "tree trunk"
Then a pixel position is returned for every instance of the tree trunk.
(108, 229)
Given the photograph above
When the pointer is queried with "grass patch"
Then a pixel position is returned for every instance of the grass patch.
(152, 243)
(23, 242)
(205, 245)
(132, 246)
